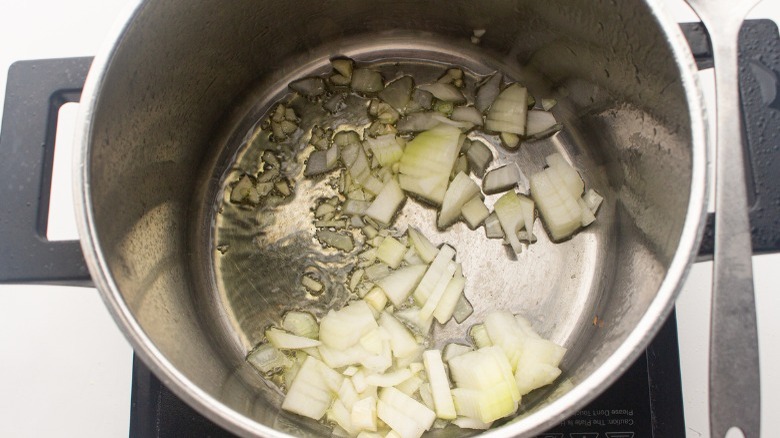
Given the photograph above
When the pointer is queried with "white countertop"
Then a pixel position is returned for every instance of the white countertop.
(66, 368)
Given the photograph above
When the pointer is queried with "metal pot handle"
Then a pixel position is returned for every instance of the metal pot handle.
(759, 78)
(35, 92)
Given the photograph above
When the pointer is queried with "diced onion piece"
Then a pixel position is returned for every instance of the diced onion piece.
(438, 291)
(301, 324)
(347, 393)
(311, 392)
(336, 240)
(501, 179)
(463, 309)
(541, 350)
(377, 271)
(389, 379)
(309, 87)
(539, 121)
(559, 209)
(480, 157)
(548, 104)
(422, 245)
(377, 299)
(399, 284)
(461, 165)
(343, 66)
(427, 396)
(593, 200)
(535, 375)
(571, 179)
(467, 114)
(487, 92)
(410, 385)
(427, 162)
(398, 93)
(479, 336)
(449, 300)
(587, 215)
(416, 122)
(440, 385)
(486, 388)
(508, 112)
(386, 203)
(402, 342)
(453, 350)
(363, 415)
(493, 227)
(366, 81)
(344, 328)
(435, 271)
(285, 341)
(268, 359)
(460, 191)
(509, 209)
(322, 161)
(387, 149)
(340, 414)
(503, 330)
(463, 125)
(509, 140)
(474, 212)
(404, 414)
(444, 92)
(244, 191)
(354, 207)
(391, 251)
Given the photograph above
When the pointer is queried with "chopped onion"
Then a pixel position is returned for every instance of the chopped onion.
(561, 213)
(244, 192)
(387, 202)
(399, 284)
(336, 240)
(467, 114)
(404, 414)
(301, 324)
(422, 245)
(444, 92)
(311, 392)
(474, 212)
(355, 207)
(471, 423)
(508, 112)
(343, 328)
(427, 162)
(493, 227)
(389, 379)
(510, 211)
(440, 385)
(548, 104)
(479, 336)
(387, 149)
(377, 271)
(460, 191)
(410, 385)
(535, 375)
(398, 93)
(435, 271)
(509, 140)
(480, 157)
(416, 122)
(593, 200)
(453, 349)
(391, 251)
(488, 92)
(402, 342)
(501, 178)
(366, 81)
(343, 65)
(539, 121)
(449, 300)
(363, 415)
(438, 291)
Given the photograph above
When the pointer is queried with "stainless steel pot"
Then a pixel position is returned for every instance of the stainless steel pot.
(167, 106)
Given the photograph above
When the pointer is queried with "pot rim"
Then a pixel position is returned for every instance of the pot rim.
(581, 394)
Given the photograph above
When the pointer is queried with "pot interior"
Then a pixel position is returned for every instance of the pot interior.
(198, 280)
